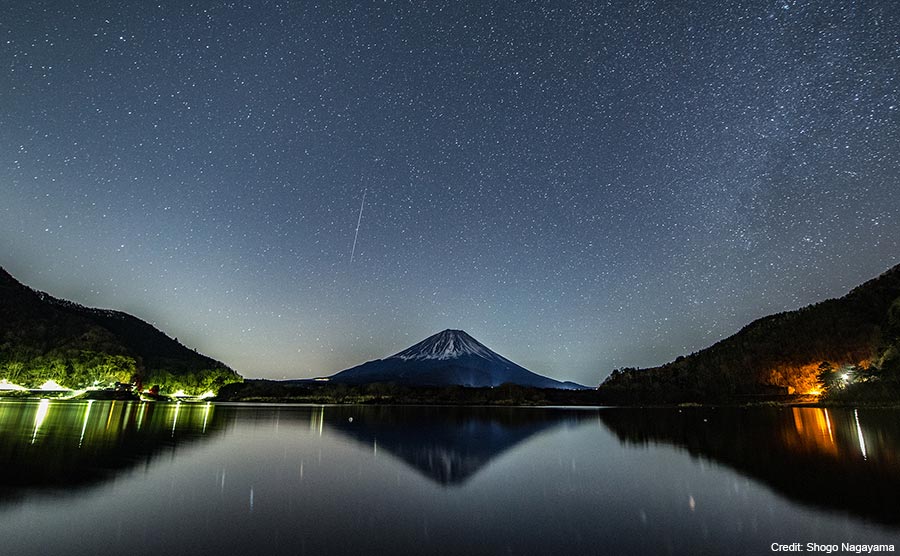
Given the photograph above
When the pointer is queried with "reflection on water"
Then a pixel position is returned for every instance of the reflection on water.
(812, 431)
(845, 459)
(54, 444)
(266, 479)
(446, 444)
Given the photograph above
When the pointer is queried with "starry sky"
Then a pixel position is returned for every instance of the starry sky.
(579, 185)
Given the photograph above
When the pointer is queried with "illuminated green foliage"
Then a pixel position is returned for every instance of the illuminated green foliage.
(193, 384)
(82, 369)
(43, 338)
(75, 370)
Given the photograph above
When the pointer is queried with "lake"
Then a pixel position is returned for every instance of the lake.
(165, 478)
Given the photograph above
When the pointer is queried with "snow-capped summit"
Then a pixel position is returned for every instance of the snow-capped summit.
(447, 358)
(449, 344)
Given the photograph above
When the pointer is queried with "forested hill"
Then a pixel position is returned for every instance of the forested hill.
(782, 352)
(43, 338)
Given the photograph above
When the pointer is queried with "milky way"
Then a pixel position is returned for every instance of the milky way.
(579, 185)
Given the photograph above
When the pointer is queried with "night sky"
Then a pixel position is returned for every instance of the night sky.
(579, 185)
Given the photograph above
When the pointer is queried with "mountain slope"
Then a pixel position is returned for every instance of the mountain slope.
(779, 353)
(42, 337)
(447, 358)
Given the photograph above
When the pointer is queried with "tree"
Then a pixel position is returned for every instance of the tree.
(828, 377)
(13, 370)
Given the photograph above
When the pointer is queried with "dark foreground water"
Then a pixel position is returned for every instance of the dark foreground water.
(143, 478)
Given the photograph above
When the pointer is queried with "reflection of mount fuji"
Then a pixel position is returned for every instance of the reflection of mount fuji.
(445, 444)
(54, 446)
(841, 459)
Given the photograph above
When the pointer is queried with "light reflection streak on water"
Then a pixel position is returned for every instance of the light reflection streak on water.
(828, 423)
(206, 416)
(316, 420)
(87, 413)
(175, 417)
(859, 434)
(140, 419)
(112, 408)
(814, 430)
(42, 410)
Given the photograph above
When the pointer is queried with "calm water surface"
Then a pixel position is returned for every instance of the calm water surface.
(142, 478)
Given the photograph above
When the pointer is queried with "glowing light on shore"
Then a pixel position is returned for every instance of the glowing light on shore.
(53, 385)
(6, 385)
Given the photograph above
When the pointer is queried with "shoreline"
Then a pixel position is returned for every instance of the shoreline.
(474, 400)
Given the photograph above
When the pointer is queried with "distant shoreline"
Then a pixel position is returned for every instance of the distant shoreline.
(262, 391)
(269, 391)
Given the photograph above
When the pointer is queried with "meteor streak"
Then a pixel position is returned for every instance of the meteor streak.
(358, 220)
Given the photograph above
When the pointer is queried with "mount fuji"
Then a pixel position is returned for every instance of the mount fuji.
(449, 358)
